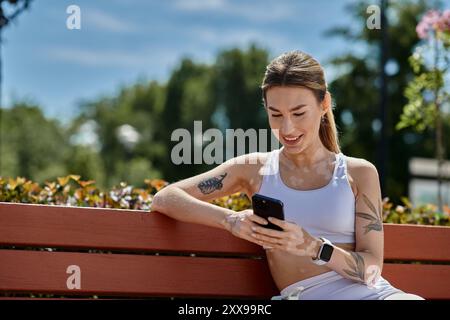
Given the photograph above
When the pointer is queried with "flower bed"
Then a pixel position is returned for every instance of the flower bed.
(72, 191)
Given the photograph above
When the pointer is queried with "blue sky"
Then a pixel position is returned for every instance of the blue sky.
(122, 41)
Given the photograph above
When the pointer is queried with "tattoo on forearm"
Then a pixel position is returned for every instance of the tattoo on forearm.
(375, 222)
(209, 185)
(356, 264)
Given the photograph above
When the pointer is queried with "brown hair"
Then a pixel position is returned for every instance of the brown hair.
(296, 68)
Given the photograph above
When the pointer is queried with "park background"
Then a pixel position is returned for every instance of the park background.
(87, 114)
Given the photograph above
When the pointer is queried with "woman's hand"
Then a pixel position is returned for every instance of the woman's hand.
(293, 239)
(240, 224)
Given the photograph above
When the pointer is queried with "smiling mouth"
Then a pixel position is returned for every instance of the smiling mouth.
(292, 140)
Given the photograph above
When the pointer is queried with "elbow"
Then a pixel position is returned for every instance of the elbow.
(159, 201)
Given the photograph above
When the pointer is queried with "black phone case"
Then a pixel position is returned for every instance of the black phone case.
(265, 207)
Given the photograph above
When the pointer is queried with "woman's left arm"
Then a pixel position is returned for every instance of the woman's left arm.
(366, 262)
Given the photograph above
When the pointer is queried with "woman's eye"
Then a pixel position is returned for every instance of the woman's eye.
(295, 114)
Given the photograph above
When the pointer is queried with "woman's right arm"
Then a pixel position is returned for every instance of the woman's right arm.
(187, 200)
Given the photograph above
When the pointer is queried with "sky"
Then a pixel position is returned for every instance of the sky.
(122, 41)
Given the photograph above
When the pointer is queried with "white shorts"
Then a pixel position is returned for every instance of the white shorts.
(332, 286)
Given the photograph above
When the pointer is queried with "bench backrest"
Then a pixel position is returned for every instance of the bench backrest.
(150, 255)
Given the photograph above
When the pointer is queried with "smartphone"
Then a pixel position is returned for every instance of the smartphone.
(266, 207)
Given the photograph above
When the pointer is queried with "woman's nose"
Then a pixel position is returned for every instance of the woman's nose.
(286, 127)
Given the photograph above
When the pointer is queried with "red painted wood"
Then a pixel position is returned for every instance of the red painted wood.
(98, 228)
(144, 275)
(419, 243)
(57, 299)
(135, 275)
(428, 281)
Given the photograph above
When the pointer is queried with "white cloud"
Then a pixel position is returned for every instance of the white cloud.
(104, 21)
(200, 5)
(254, 11)
(241, 36)
(110, 58)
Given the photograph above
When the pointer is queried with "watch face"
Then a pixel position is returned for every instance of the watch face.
(327, 250)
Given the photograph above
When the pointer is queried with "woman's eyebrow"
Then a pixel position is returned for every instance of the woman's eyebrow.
(292, 109)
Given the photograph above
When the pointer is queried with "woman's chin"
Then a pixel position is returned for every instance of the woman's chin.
(296, 149)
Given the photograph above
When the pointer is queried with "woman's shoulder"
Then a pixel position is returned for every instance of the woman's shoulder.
(251, 159)
(358, 172)
(249, 167)
(360, 166)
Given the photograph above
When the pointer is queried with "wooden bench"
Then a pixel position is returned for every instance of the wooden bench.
(151, 255)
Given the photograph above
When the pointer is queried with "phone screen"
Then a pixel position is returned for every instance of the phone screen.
(266, 207)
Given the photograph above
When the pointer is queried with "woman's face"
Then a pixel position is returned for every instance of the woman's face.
(294, 117)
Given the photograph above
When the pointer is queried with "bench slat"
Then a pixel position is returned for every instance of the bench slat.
(132, 230)
(140, 275)
(429, 281)
(413, 242)
(134, 275)
(98, 228)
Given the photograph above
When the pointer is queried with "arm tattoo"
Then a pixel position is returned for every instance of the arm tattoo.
(211, 184)
(356, 265)
(375, 222)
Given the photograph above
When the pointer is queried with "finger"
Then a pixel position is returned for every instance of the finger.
(268, 232)
(265, 239)
(258, 219)
(272, 246)
(281, 223)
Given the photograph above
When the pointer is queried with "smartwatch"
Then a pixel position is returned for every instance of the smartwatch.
(325, 252)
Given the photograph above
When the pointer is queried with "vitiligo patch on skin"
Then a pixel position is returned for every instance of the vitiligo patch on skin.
(308, 251)
(321, 171)
(373, 275)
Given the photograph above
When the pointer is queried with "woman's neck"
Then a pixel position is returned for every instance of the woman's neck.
(307, 158)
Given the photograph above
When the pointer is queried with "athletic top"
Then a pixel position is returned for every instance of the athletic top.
(327, 212)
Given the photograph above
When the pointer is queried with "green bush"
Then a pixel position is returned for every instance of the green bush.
(72, 191)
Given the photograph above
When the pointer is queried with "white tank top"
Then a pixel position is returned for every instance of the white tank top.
(327, 212)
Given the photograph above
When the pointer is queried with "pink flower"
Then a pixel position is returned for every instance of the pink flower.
(446, 15)
(431, 17)
(422, 30)
(444, 22)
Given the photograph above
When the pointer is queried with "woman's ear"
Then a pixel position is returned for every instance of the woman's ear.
(326, 103)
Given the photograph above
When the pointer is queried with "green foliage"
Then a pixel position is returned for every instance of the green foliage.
(31, 145)
(417, 113)
(223, 94)
(422, 92)
(355, 90)
(72, 191)
(424, 214)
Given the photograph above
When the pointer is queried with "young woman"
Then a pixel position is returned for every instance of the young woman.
(331, 246)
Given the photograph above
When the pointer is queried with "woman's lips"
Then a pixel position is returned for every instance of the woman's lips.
(290, 141)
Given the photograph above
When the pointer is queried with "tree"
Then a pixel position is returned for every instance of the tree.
(137, 107)
(428, 92)
(32, 146)
(355, 90)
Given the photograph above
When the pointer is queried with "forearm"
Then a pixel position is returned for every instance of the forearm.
(179, 205)
(363, 267)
